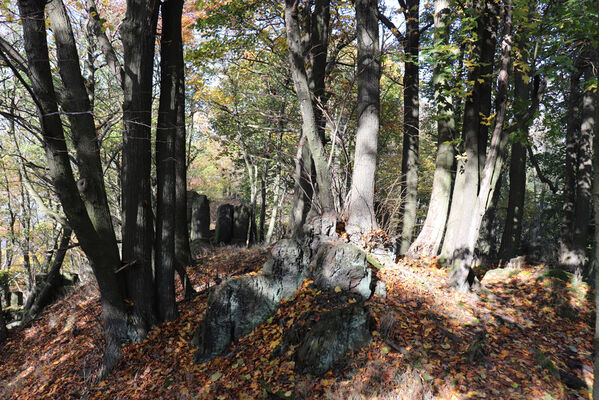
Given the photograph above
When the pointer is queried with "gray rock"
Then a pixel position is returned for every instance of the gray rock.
(16, 299)
(198, 215)
(238, 305)
(235, 308)
(380, 290)
(241, 223)
(343, 265)
(224, 224)
(336, 332)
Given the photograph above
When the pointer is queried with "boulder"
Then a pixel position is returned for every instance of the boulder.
(241, 223)
(342, 265)
(224, 224)
(16, 299)
(238, 305)
(334, 334)
(198, 215)
(235, 308)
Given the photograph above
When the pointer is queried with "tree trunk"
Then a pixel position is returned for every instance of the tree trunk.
(37, 302)
(102, 259)
(360, 210)
(466, 185)
(411, 130)
(487, 243)
(429, 240)
(461, 275)
(512, 232)
(315, 46)
(309, 122)
(3, 330)
(276, 204)
(488, 32)
(182, 250)
(584, 174)
(165, 155)
(302, 189)
(596, 252)
(138, 36)
(572, 126)
(262, 206)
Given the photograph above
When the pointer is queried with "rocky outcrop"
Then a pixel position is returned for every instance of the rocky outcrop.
(344, 266)
(224, 224)
(336, 333)
(198, 215)
(241, 223)
(238, 305)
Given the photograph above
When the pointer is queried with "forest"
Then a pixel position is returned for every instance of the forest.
(299, 199)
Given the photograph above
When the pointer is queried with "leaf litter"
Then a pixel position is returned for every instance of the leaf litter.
(525, 336)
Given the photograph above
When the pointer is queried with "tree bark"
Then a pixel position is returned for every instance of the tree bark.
(3, 330)
(488, 32)
(361, 216)
(461, 276)
(429, 240)
(36, 303)
(165, 156)
(572, 127)
(467, 179)
(315, 45)
(596, 247)
(182, 250)
(138, 36)
(411, 126)
(103, 260)
(309, 122)
(512, 232)
(584, 174)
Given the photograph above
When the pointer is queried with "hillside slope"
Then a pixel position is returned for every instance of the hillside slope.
(529, 336)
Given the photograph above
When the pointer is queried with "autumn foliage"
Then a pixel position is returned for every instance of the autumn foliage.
(520, 339)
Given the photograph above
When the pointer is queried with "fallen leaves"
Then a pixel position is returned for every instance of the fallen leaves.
(431, 330)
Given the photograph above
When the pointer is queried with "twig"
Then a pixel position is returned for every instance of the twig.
(125, 266)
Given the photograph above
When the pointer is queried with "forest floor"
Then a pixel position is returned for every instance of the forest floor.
(527, 336)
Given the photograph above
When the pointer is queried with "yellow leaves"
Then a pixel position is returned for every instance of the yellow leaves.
(274, 343)
(337, 289)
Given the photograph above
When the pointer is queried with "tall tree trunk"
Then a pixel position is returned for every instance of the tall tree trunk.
(429, 240)
(461, 276)
(487, 245)
(512, 232)
(165, 156)
(315, 46)
(182, 250)
(262, 206)
(488, 32)
(411, 130)
(103, 259)
(584, 173)
(309, 122)
(572, 129)
(276, 204)
(596, 248)
(3, 330)
(303, 189)
(467, 175)
(360, 210)
(138, 36)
